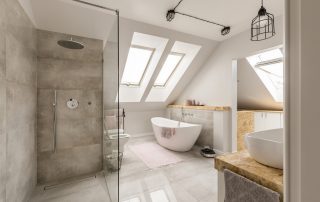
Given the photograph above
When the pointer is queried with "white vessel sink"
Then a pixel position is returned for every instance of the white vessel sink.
(266, 147)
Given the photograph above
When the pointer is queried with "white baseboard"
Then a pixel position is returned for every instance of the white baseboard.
(218, 152)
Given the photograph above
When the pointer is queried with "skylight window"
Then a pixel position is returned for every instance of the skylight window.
(275, 69)
(269, 68)
(271, 55)
(143, 57)
(172, 62)
(177, 63)
(137, 63)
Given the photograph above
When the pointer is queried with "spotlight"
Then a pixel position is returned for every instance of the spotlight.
(170, 15)
(225, 31)
(172, 12)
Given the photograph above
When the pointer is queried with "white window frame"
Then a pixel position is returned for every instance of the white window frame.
(266, 63)
(261, 64)
(145, 69)
(174, 70)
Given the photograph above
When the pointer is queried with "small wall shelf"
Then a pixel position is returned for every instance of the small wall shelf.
(208, 108)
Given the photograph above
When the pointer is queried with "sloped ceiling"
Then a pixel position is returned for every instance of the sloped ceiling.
(252, 94)
(69, 17)
(58, 15)
(235, 13)
(66, 16)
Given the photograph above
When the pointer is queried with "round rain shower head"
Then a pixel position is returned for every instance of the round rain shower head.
(70, 44)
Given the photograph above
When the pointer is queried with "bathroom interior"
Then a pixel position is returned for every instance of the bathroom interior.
(138, 101)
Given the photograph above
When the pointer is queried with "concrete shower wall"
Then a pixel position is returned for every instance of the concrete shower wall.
(18, 97)
(74, 74)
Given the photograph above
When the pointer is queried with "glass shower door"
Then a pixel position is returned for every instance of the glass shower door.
(112, 115)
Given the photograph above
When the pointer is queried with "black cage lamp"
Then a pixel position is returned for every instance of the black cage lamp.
(262, 26)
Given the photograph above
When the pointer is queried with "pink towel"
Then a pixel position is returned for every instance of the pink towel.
(168, 132)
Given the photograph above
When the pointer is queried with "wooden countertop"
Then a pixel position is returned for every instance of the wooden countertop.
(209, 108)
(242, 164)
(258, 110)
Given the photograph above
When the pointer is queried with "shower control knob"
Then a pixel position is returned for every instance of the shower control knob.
(72, 103)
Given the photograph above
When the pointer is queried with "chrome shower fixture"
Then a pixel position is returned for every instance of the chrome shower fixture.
(172, 12)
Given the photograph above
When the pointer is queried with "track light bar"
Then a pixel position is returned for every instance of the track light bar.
(172, 12)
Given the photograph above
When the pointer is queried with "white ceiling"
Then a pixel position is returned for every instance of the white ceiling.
(68, 17)
(235, 13)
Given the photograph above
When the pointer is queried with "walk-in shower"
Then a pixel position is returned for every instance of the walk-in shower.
(78, 110)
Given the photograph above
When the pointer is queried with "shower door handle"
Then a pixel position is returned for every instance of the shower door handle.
(54, 139)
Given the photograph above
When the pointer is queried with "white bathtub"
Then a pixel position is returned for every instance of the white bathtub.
(185, 136)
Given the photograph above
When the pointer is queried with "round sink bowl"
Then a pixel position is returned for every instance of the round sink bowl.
(266, 147)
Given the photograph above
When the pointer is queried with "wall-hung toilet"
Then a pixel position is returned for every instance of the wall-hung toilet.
(123, 138)
(115, 157)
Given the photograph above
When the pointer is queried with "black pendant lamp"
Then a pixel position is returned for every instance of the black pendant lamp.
(262, 26)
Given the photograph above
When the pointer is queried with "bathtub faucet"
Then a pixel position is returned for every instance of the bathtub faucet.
(182, 116)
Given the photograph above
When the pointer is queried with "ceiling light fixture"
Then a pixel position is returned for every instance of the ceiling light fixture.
(172, 12)
(262, 26)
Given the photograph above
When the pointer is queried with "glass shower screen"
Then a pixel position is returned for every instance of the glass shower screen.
(113, 116)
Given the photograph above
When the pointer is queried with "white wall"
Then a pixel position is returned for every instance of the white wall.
(212, 85)
(310, 99)
(215, 82)
(138, 123)
(304, 98)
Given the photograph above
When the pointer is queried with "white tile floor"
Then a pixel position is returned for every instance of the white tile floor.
(193, 180)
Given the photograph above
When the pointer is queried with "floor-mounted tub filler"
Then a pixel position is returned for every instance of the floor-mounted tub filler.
(175, 135)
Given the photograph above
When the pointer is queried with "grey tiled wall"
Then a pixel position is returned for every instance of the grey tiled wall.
(202, 117)
(74, 74)
(18, 97)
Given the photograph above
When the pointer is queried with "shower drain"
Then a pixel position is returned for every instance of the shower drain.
(73, 181)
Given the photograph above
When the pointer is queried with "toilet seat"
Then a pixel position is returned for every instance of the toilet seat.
(121, 135)
(115, 131)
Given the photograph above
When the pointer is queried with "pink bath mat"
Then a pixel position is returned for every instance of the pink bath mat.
(154, 155)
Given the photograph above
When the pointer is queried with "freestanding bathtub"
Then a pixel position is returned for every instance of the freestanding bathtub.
(184, 137)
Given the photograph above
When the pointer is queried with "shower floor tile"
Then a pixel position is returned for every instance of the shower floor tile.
(192, 180)
(88, 190)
